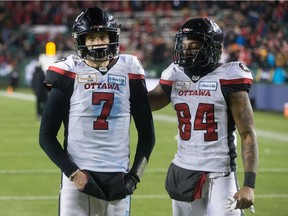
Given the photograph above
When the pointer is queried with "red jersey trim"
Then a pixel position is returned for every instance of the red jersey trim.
(135, 76)
(62, 72)
(166, 82)
(236, 81)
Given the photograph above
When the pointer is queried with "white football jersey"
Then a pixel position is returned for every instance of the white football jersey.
(206, 139)
(99, 117)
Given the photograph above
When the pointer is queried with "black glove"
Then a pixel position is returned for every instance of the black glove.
(92, 188)
(131, 180)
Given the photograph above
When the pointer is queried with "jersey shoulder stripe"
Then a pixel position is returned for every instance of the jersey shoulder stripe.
(234, 73)
(166, 82)
(62, 72)
(133, 76)
(236, 81)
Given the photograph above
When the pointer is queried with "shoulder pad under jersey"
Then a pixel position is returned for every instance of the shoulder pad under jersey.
(168, 73)
(60, 74)
(133, 64)
(68, 63)
(235, 70)
(172, 73)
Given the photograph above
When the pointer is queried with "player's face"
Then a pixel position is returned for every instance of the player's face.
(191, 46)
(99, 39)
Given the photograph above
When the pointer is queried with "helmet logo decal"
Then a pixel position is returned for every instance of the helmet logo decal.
(215, 27)
(77, 18)
(97, 27)
(185, 30)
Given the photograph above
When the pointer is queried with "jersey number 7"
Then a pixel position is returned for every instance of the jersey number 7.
(97, 98)
(204, 120)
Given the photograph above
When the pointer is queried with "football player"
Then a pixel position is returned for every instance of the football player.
(94, 95)
(211, 100)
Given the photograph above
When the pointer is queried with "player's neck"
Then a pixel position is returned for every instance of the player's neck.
(97, 64)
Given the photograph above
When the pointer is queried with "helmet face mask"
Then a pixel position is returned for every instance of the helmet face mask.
(95, 20)
(207, 55)
(185, 54)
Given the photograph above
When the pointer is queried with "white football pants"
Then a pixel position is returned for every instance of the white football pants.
(72, 202)
(214, 199)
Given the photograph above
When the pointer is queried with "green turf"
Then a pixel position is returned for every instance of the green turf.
(29, 182)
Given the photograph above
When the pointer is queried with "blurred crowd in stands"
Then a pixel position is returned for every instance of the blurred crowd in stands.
(256, 32)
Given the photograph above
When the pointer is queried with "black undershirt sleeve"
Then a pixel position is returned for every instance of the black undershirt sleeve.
(56, 112)
(228, 89)
(140, 110)
(166, 88)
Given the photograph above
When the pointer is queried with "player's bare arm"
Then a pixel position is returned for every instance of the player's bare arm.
(243, 116)
(158, 98)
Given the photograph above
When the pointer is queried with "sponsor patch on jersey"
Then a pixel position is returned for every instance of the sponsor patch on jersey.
(87, 78)
(243, 67)
(208, 85)
(115, 79)
(182, 85)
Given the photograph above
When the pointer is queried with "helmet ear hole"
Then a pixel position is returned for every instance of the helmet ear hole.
(96, 20)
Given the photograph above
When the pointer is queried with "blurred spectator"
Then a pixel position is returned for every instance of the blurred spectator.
(159, 56)
(14, 78)
(279, 76)
(249, 26)
(39, 90)
(29, 71)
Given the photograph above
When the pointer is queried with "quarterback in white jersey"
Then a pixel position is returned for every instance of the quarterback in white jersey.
(94, 95)
(210, 101)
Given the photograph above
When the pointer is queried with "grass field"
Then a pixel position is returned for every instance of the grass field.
(29, 182)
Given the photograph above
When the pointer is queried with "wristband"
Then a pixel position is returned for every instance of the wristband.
(73, 174)
(141, 168)
(249, 179)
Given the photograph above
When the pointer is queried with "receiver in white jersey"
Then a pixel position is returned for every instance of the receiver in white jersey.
(202, 143)
(210, 99)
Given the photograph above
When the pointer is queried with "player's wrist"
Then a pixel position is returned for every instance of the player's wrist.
(73, 174)
(133, 175)
(249, 179)
(138, 168)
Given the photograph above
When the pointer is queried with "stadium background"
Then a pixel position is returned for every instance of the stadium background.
(255, 33)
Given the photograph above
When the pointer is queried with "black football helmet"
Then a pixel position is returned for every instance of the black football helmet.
(211, 36)
(96, 20)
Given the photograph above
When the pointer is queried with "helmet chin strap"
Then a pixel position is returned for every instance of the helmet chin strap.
(99, 54)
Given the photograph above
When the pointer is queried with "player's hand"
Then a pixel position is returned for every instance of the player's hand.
(244, 197)
(131, 181)
(80, 180)
(232, 205)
